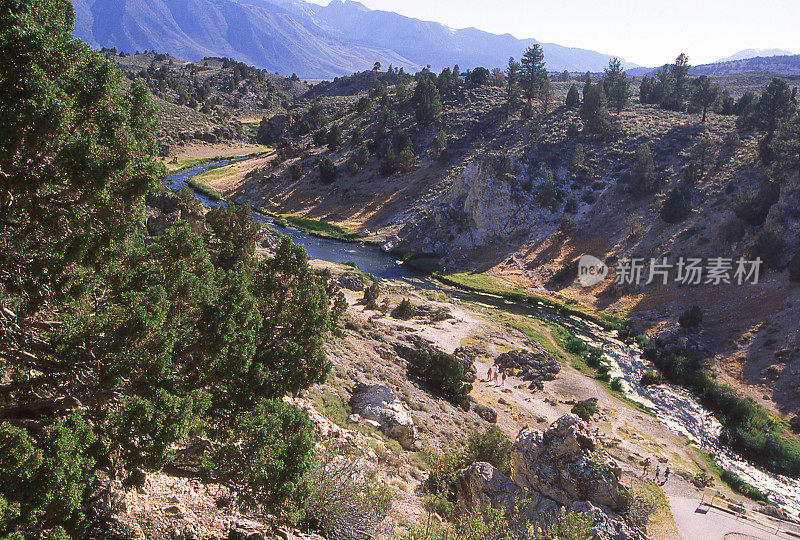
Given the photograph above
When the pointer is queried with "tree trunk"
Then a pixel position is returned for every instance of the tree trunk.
(703, 121)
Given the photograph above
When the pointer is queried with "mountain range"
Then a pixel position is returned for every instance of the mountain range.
(313, 41)
(754, 53)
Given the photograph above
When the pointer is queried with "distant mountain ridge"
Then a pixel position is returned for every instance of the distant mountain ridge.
(754, 53)
(294, 36)
(784, 65)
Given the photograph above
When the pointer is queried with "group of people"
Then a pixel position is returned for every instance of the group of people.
(646, 465)
(495, 374)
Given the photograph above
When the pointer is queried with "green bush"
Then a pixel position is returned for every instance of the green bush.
(675, 207)
(737, 484)
(295, 171)
(769, 246)
(616, 385)
(441, 372)
(585, 409)
(327, 170)
(652, 377)
(491, 446)
(575, 345)
(691, 318)
(753, 206)
(405, 310)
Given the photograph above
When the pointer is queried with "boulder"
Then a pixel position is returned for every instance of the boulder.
(351, 282)
(266, 238)
(377, 403)
(535, 365)
(605, 527)
(487, 413)
(481, 486)
(561, 464)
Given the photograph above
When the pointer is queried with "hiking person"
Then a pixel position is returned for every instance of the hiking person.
(658, 472)
(666, 475)
(504, 378)
(646, 465)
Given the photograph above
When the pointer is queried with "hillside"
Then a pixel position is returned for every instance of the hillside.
(304, 38)
(210, 100)
(507, 201)
(786, 65)
(753, 53)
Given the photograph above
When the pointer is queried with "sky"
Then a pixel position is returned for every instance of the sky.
(641, 31)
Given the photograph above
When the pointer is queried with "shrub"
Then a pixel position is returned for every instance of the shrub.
(327, 170)
(573, 97)
(320, 137)
(651, 377)
(567, 526)
(371, 295)
(388, 163)
(675, 207)
(440, 143)
(769, 247)
(295, 171)
(794, 266)
(441, 372)
(343, 494)
(444, 470)
(527, 110)
(405, 310)
(691, 318)
(575, 345)
(753, 205)
(491, 446)
(737, 484)
(585, 409)
(334, 138)
(732, 140)
(643, 175)
(794, 423)
(406, 159)
(616, 385)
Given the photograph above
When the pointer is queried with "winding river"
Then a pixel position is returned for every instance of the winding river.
(675, 407)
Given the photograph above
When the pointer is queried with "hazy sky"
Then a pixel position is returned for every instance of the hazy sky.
(642, 31)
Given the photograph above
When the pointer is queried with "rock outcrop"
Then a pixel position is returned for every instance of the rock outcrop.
(164, 208)
(351, 282)
(558, 468)
(377, 403)
(561, 463)
(534, 365)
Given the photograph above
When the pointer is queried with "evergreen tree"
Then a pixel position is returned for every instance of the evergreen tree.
(139, 340)
(616, 86)
(593, 111)
(512, 84)
(334, 138)
(545, 94)
(786, 148)
(429, 106)
(675, 207)
(643, 174)
(587, 84)
(704, 94)
(573, 98)
(532, 72)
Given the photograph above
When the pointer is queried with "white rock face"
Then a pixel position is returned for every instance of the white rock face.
(550, 470)
(377, 403)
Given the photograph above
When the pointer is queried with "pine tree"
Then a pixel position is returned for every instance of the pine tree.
(587, 84)
(593, 110)
(643, 176)
(512, 84)
(532, 72)
(704, 94)
(429, 105)
(573, 98)
(616, 86)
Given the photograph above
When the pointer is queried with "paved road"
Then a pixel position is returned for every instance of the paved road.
(706, 523)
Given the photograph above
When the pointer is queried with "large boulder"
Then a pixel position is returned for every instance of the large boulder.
(605, 527)
(352, 282)
(481, 486)
(534, 365)
(562, 464)
(377, 403)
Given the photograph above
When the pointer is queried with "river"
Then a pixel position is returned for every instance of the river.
(675, 407)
